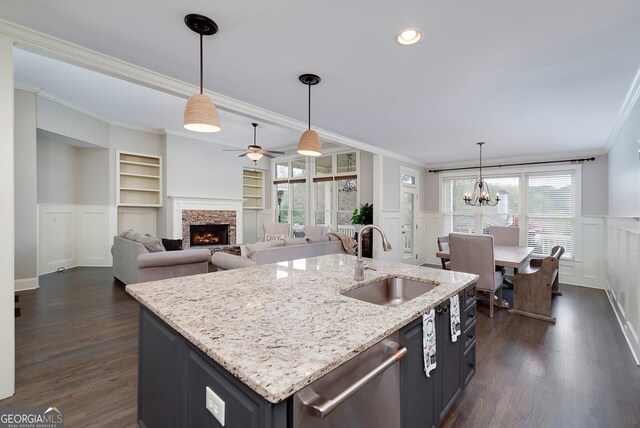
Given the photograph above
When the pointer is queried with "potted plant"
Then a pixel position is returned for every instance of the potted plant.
(362, 216)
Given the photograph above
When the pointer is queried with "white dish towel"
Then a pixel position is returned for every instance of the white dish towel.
(429, 341)
(454, 308)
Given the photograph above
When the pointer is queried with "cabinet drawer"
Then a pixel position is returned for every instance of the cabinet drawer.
(468, 317)
(469, 362)
(469, 296)
(469, 337)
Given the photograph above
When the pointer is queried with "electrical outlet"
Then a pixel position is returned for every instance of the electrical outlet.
(215, 405)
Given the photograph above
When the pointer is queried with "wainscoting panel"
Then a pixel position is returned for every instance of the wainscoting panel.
(75, 235)
(433, 229)
(95, 235)
(390, 223)
(623, 277)
(57, 237)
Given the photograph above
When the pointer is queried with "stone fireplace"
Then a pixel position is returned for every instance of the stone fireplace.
(208, 227)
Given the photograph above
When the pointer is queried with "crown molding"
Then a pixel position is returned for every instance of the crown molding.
(204, 137)
(492, 162)
(625, 110)
(43, 44)
(27, 87)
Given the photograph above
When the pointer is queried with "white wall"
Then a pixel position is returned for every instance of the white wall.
(623, 230)
(624, 169)
(61, 120)
(56, 172)
(366, 177)
(201, 169)
(7, 334)
(26, 186)
(595, 186)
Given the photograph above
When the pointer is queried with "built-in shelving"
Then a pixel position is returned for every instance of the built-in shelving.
(253, 189)
(139, 180)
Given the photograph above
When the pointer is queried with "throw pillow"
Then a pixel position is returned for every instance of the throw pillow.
(272, 237)
(295, 241)
(151, 243)
(130, 235)
(262, 245)
(172, 244)
(315, 231)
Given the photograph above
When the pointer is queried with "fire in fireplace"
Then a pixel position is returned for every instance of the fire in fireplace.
(208, 234)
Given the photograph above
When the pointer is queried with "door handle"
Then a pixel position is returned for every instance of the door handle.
(320, 406)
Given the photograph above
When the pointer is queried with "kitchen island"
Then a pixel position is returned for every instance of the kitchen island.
(263, 333)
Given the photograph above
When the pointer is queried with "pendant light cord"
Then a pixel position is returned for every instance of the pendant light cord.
(480, 162)
(201, 67)
(309, 109)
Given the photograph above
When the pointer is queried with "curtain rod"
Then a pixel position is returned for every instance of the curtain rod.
(573, 161)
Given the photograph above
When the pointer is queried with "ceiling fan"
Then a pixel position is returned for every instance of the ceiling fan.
(255, 152)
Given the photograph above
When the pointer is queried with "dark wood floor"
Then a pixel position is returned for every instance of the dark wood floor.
(76, 347)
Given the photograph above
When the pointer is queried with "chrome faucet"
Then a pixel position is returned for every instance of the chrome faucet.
(360, 266)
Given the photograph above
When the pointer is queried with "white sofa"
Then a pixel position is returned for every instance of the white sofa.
(276, 251)
(133, 262)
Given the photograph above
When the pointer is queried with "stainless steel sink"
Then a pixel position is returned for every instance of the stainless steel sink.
(392, 291)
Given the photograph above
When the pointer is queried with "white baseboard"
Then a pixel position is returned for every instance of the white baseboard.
(627, 330)
(26, 284)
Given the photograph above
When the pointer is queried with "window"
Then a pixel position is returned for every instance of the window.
(542, 204)
(551, 211)
(291, 193)
(336, 190)
(457, 216)
(506, 212)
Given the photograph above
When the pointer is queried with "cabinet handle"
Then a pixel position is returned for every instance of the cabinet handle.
(439, 310)
(470, 336)
(470, 365)
(446, 308)
(471, 314)
(471, 293)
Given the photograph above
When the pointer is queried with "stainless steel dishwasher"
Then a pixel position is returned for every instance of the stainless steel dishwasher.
(362, 393)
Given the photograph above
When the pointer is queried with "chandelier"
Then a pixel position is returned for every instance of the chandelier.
(481, 193)
(350, 185)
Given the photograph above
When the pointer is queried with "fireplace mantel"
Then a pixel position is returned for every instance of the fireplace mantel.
(178, 204)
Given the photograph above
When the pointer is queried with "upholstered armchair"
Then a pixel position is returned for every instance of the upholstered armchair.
(533, 287)
(443, 245)
(276, 231)
(473, 253)
(557, 251)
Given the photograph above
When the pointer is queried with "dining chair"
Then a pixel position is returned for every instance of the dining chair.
(473, 253)
(533, 288)
(557, 252)
(505, 235)
(443, 245)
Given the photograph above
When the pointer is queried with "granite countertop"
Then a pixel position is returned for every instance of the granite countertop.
(279, 327)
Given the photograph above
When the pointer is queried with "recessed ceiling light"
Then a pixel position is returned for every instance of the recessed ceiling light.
(409, 36)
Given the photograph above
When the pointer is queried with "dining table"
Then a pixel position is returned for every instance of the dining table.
(510, 256)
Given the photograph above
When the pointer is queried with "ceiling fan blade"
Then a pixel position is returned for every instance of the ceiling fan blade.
(233, 150)
(267, 155)
(244, 154)
(273, 152)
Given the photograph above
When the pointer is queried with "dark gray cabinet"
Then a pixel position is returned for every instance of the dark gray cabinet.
(426, 400)
(173, 376)
(172, 380)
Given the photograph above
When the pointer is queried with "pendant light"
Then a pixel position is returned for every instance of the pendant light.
(254, 156)
(200, 113)
(309, 144)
